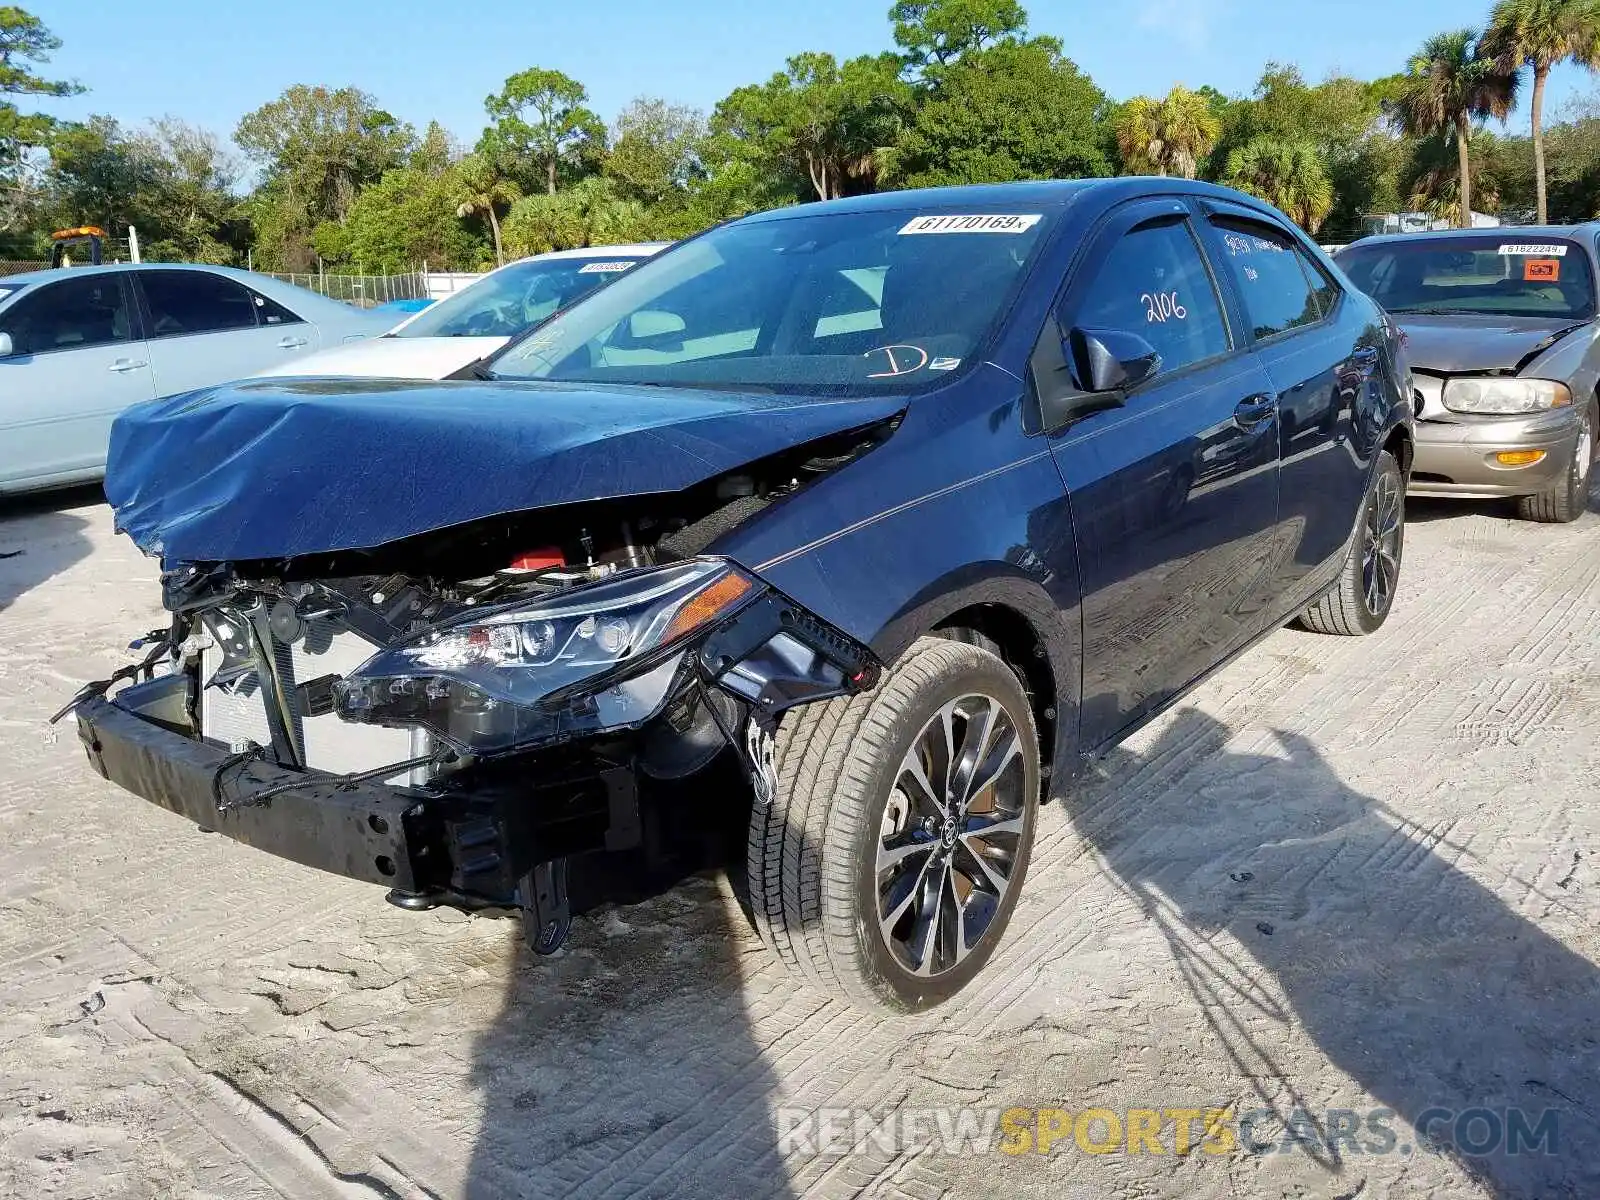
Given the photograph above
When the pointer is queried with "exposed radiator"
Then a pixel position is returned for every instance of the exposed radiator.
(230, 717)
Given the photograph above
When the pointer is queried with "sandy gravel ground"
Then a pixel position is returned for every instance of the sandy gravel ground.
(1345, 876)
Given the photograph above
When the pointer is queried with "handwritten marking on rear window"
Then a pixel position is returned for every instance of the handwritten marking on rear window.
(1240, 244)
(902, 360)
(596, 268)
(972, 223)
(1161, 307)
(944, 364)
(1535, 249)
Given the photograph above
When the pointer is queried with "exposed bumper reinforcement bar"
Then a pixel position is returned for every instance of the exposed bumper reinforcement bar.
(468, 847)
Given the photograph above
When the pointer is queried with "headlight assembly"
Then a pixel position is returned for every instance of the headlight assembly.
(1505, 396)
(594, 658)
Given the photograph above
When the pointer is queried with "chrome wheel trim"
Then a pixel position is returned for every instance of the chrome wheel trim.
(1380, 552)
(952, 828)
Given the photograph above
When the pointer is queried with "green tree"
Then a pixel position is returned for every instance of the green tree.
(196, 217)
(1288, 175)
(1015, 110)
(317, 147)
(100, 174)
(541, 124)
(1170, 136)
(24, 40)
(409, 217)
(934, 33)
(1448, 85)
(818, 121)
(435, 150)
(1535, 35)
(589, 213)
(481, 189)
(656, 151)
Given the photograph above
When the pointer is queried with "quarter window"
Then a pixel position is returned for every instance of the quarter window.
(273, 313)
(70, 315)
(183, 302)
(1271, 276)
(1154, 283)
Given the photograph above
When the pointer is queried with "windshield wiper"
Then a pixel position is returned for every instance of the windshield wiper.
(479, 371)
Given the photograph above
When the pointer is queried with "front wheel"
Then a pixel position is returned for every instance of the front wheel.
(1569, 499)
(887, 866)
(1359, 603)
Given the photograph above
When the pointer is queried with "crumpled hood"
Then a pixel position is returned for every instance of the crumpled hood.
(277, 468)
(1459, 345)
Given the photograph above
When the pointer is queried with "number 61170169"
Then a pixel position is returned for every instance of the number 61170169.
(1161, 307)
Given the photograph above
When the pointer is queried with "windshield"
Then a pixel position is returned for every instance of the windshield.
(1505, 275)
(507, 301)
(6, 291)
(835, 303)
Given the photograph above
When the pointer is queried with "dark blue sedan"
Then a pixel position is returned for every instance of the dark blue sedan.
(905, 506)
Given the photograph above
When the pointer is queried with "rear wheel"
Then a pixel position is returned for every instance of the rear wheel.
(1569, 499)
(1359, 603)
(888, 864)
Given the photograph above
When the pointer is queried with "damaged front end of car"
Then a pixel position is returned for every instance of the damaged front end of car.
(457, 713)
(459, 742)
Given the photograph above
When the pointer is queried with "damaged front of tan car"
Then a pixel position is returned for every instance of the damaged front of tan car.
(457, 712)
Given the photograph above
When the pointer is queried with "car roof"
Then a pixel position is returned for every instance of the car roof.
(629, 250)
(1496, 233)
(1052, 193)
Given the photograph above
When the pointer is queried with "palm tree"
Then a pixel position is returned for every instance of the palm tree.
(1538, 34)
(1448, 84)
(482, 190)
(1168, 136)
(1288, 175)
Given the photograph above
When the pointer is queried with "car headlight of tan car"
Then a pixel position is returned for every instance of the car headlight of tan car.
(1505, 396)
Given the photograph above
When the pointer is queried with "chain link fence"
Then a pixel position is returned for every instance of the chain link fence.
(20, 267)
(364, 291)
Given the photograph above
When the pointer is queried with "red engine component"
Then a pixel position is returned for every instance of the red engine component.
(539, 560)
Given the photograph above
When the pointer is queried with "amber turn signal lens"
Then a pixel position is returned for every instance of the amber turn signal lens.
(1519, 458)
(708, 605)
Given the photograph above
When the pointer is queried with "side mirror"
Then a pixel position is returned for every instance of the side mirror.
(6, 348)
(1110, 360)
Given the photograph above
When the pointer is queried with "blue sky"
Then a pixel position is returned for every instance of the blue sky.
(427, 58)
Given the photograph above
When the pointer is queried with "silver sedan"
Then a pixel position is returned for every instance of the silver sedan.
(1504, 342)
(77, 346)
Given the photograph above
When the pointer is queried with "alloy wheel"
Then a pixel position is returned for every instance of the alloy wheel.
(1380, 555)
(950, 835)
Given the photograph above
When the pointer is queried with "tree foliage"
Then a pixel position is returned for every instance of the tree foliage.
(1170, 136)
(1450, 83)
(24, 42)
(1288, 175)
(1014, 110)
(541, 127)
(968, 95)
(1536, 35)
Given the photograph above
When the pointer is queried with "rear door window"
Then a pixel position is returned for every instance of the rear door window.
(90, 310)
(1270, 275)
(1155, 283)
(188, 302)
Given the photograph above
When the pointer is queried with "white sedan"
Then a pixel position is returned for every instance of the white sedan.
(449, 336)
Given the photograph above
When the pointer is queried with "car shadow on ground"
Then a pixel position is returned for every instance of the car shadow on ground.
(40, 538)
(626, 1065)
(1411, 977)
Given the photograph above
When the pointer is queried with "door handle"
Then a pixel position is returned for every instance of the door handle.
(1253, 410)
(123, 365)
(291, 343)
